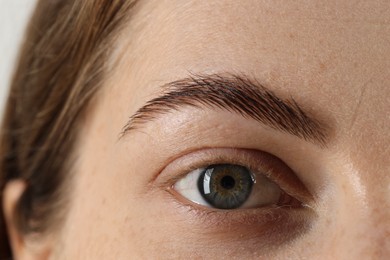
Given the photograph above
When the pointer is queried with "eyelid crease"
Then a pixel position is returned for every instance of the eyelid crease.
(237, 94)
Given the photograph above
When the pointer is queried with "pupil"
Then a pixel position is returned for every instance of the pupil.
(225, 186)
(228, 182)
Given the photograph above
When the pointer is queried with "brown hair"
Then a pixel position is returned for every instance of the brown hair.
(61, 65)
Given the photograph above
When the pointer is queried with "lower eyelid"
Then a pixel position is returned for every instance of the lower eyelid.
(202, 210)
(272, 225)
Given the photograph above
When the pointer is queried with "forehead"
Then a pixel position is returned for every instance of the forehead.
(333, 54)
(310, 44)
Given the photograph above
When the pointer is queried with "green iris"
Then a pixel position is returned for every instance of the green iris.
(225, 186)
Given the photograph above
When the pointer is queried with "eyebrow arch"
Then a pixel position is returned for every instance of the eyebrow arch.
(233, 93)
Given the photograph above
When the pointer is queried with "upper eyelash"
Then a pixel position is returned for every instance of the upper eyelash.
(257, 161)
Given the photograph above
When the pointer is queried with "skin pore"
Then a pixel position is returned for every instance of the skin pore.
(330, 57)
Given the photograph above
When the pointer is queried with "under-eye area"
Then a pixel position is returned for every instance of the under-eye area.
(229, 191)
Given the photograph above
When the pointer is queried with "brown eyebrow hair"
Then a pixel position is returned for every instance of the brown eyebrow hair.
(234, 93)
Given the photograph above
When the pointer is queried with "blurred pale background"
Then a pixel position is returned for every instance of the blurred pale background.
(14, 15)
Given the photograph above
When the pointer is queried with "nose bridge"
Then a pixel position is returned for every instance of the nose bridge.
(365, 235)
(364, 216)
(377, 213)
(359, 229)
(372, 166)
(379, 228)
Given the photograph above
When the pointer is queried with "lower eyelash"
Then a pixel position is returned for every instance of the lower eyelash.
(247, 216)
(268, 228)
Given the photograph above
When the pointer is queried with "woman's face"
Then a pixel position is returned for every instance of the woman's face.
(293, 95)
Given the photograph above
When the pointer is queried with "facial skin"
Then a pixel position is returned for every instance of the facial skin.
(331, 57)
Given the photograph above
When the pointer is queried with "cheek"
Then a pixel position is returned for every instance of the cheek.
(110, 220)
(109, 216)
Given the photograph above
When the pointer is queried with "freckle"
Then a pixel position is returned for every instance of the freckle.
(291, 35)
(344, 187)
(322, 66)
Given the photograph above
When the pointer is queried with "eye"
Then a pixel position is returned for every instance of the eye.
(237, 197)
(231, 186)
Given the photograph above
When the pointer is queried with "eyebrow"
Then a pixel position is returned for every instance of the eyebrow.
(234, 93)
